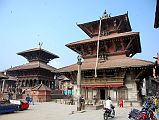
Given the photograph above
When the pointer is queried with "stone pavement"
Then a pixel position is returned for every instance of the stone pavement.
(56, 111)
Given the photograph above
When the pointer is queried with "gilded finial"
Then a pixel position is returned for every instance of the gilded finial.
(40, 44)
(105, 15)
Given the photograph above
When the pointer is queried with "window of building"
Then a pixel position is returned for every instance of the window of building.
(88, 74)
(100, 73)
(110, 73)
(102, 53)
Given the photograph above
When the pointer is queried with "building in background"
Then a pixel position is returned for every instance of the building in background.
(66, 85)
(36, 71)
(8, 86)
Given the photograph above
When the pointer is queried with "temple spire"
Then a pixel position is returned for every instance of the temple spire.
(40, 44)
(105, 15)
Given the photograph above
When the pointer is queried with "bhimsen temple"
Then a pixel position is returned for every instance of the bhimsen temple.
(36, 71)
(119, 75)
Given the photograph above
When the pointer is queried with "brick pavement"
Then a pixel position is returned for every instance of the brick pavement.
(56, 111)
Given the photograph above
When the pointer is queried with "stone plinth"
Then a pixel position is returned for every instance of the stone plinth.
(93, 107)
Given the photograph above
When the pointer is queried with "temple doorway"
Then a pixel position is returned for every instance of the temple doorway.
(102, 94)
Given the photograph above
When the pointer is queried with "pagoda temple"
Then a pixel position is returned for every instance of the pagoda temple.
(36, 71)
(118, 74)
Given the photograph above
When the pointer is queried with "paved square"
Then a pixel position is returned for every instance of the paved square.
(56, 111)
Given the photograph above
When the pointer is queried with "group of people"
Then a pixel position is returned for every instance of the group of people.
(152, 100)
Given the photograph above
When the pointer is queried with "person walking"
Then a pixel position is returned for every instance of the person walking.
(82, 102)
(121, 102)
(27, 98)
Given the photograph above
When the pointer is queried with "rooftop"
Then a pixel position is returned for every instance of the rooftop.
(36, 50)
(127, 62)
(112, 36)
(41, 87)
(32, 65)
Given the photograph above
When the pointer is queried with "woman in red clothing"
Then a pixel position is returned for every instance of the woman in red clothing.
(121, 102)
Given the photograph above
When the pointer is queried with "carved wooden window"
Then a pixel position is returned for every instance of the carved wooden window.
(104, 30)
(109, 45)
(88, 74)
(102, 53)
(110, 73)
(118, 46)
(90, 49)
(100, 73)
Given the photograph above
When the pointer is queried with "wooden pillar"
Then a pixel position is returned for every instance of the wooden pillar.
(25, 83)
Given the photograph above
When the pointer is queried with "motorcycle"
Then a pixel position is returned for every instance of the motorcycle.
(109, 113)
(136, 114)
(146, 113)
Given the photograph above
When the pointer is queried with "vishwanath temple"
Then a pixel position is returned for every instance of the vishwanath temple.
(119, 75)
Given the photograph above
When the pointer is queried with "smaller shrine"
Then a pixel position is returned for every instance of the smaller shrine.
(41, 93)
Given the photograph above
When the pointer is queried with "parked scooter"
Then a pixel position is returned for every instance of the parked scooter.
(136, 114)
(145, 114)
(108, 113)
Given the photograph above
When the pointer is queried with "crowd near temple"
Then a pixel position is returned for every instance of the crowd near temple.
(108, 68)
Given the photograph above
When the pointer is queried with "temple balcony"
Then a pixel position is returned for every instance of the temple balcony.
(102, 80)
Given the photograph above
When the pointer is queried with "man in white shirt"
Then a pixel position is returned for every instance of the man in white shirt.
(108, 103)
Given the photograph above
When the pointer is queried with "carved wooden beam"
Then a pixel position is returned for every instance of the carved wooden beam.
(119, 24)
(90, 32)
(129, 44)
(74, 48)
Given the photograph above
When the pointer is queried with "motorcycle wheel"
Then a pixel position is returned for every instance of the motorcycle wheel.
(131, 118)
(105, 116)
(113, 114)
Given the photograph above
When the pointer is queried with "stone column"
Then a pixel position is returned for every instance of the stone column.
(78, 83)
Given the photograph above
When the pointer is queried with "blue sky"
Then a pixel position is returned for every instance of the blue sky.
(25, 23)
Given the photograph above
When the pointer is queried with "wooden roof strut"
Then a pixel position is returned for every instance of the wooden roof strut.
(100, 23)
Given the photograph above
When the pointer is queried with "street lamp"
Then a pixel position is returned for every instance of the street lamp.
(79, 63)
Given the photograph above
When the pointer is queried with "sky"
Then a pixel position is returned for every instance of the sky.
(25, 23)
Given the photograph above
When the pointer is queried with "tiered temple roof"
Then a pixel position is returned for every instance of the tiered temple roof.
(38, 58)
(32, 65)
(117, 41)
(110, 25)
(38, 54)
